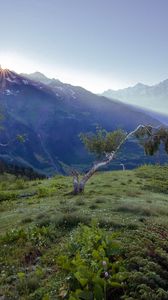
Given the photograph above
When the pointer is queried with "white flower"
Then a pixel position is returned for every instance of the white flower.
(106, 274)
(104, 263)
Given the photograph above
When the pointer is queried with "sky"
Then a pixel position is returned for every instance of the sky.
(97, 44)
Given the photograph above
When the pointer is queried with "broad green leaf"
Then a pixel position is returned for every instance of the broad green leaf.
(98, 280)
(86, 295)
(72, 298)
(115, 284)
(96, 254)
(98, 292)
(83, 281)
(46, 297)
(21, 275)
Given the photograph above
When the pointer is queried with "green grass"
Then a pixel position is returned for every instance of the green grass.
(39, 217)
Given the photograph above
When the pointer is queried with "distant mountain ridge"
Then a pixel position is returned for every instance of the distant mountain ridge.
(52, 114)
(37, 76)
(153, 97)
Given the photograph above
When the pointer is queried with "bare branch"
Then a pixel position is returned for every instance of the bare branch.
(4, 145)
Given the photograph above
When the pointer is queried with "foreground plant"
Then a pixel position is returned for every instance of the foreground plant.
(94, 266)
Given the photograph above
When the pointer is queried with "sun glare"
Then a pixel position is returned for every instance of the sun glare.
(89, 80)
(15, 62)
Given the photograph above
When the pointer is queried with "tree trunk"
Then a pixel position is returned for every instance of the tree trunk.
(76, 188)
(79, 186)
(75, 182)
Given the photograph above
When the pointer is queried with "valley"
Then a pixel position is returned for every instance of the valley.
(52, 114)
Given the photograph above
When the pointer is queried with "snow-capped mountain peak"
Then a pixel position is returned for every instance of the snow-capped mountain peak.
(9, 78)
(153, 97)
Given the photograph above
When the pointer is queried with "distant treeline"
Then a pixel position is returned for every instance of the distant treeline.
(20, 171)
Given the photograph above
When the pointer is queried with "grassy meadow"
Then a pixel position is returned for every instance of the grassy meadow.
(109, 243)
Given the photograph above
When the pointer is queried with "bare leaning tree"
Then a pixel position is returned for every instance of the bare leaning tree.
(105, 145)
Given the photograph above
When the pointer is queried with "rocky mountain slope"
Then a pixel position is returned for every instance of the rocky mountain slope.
(52, 115)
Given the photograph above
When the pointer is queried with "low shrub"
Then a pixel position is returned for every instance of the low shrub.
(109, 224)
(93, 206)
(27, 284)
(19, 184)
(3, 185)
(100, 200)
(157, 186)
(44, 191)
(36, 235)
(26, 220)
(153, 172)
(21, 251)
(146, 253)
(80, 202)
(68, 221)
(4, 196)
(136, 210)
(65, 221)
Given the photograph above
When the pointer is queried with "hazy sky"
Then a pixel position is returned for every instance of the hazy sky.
(98, 44)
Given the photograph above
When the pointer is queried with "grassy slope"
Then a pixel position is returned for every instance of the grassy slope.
(115, 196)
(119, 200)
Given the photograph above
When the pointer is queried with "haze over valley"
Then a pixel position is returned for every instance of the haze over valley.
(52, 114)
(153, 97)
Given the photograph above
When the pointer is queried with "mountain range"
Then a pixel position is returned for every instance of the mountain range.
(153, 97)
(51, 114)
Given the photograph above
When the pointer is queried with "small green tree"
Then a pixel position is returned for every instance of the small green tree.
(105, 146)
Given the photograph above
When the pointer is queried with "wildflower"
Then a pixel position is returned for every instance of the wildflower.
(106, 274)
(104, 263)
